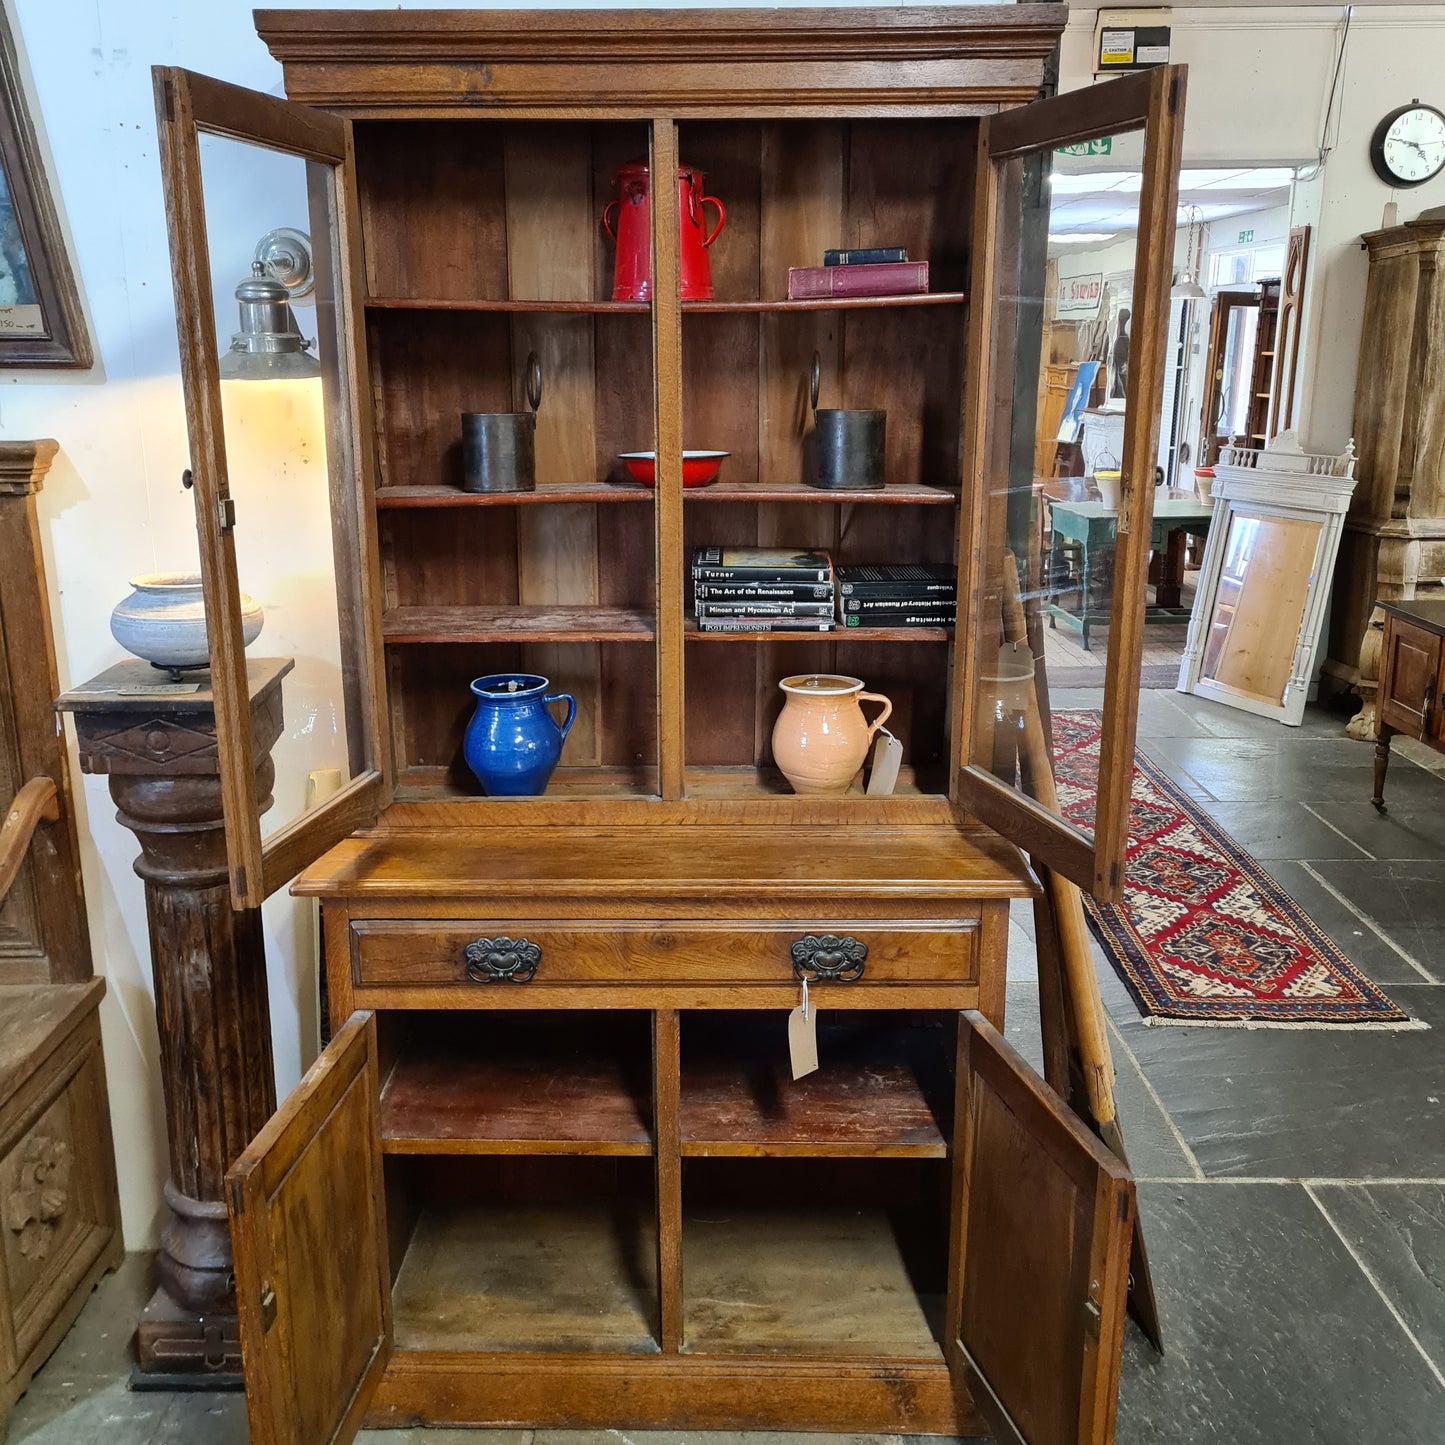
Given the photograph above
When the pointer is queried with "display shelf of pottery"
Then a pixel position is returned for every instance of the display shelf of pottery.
(164, 621)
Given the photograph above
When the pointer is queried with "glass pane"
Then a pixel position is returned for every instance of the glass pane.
(1259, 606)
(1065, 302)
(1241, 325)
(278, 412)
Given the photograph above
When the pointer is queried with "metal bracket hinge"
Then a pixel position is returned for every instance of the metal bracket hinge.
(226, 512)
(268, 1307)
(1093, 1317)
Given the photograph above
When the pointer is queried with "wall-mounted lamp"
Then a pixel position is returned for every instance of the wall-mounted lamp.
(269, 347)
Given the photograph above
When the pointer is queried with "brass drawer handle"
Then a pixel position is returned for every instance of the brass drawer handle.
(501, 960)
(836, 958)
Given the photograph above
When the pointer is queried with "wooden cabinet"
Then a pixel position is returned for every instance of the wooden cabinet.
(1410, 699)
(1393, 549)
(553, 1165)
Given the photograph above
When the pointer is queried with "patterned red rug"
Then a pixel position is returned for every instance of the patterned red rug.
(1204, 934)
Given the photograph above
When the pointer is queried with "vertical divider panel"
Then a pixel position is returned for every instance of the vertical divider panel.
(550, 258)
(804, 170)
(667, 395)
(667, 1144)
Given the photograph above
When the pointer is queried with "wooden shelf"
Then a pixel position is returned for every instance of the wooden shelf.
(828, 303)
(717, 783)
(510, 1278)
(878, 1095)
(692, 633)
(516, 624)
(715, 308)
(456, 1103)
(441, 785)
(895, 495)
(393, 497)
(564, 308)
(821, 1281)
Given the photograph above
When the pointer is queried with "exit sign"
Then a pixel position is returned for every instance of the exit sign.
(1104, 146)
(1245, 237)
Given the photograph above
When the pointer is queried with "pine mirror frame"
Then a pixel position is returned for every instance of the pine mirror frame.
(1280, 483)
(63, 340)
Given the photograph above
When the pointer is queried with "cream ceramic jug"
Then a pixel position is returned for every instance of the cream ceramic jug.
(821, 736)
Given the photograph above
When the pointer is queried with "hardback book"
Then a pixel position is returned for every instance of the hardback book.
(944, 606)
(764, 609)
(763, 591)
(760, 564)
(902, 617)
(765, 624)
(907, 579)
(893, 278)
(868, 256)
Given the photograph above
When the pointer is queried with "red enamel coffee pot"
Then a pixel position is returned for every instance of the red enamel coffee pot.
(632, 231)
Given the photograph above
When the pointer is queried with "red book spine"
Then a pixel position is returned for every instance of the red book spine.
(891, 278)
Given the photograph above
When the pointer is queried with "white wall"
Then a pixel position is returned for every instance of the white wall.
(1259, 79)
(113, 505)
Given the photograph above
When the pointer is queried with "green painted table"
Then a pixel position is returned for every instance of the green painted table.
(1092, 526)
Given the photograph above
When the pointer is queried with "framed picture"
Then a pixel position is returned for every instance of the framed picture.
(41, 323)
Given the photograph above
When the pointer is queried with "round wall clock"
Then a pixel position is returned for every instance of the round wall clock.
(1408, 147)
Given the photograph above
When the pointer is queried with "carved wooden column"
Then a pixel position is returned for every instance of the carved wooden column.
(157, 743)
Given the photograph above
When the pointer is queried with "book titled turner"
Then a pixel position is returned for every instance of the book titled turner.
(890, 278)
(779, 565)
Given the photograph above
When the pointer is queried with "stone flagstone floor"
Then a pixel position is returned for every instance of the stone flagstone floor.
(1292, 1183)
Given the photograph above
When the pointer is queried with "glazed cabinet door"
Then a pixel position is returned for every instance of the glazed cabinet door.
(308, 1235)
(261, 203)
(1054, 559)
(1044, 1219)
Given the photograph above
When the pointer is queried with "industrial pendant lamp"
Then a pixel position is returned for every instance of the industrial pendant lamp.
(1187, 288)
(269, 346)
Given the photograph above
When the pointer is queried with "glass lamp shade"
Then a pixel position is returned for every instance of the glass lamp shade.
(268, 346)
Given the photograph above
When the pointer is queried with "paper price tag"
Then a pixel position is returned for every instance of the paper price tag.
(887, 755)
(803, 1037)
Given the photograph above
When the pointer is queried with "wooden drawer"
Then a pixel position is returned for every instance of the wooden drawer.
(410, 954)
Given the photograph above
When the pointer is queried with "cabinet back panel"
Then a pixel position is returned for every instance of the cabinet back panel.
(614, 684)
(473, 210)
(429, 367)
(796, 188)
(432, 208)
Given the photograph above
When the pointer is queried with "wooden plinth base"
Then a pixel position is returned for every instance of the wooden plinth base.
(676, 1393)
(178, 1349)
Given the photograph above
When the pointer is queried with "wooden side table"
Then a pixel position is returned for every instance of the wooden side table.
(1409, 699)
(157, 743)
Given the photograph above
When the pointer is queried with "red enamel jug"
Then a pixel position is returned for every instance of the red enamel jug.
(628, 220)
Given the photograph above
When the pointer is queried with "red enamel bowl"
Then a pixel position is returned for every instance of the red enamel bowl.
(698, 468)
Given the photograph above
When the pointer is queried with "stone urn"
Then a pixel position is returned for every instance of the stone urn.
(821, 736)
(164, 620)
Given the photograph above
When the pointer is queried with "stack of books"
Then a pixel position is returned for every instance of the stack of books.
(762, 589)
(906, 595)
(879, 271)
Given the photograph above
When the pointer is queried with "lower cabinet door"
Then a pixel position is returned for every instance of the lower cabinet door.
(308, 1234)
(1045, 1217)
(1409, 674)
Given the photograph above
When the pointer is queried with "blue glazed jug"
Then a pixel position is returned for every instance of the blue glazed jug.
(512, 742)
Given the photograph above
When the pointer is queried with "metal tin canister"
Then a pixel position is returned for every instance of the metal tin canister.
(499, 448)
(846, 449)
